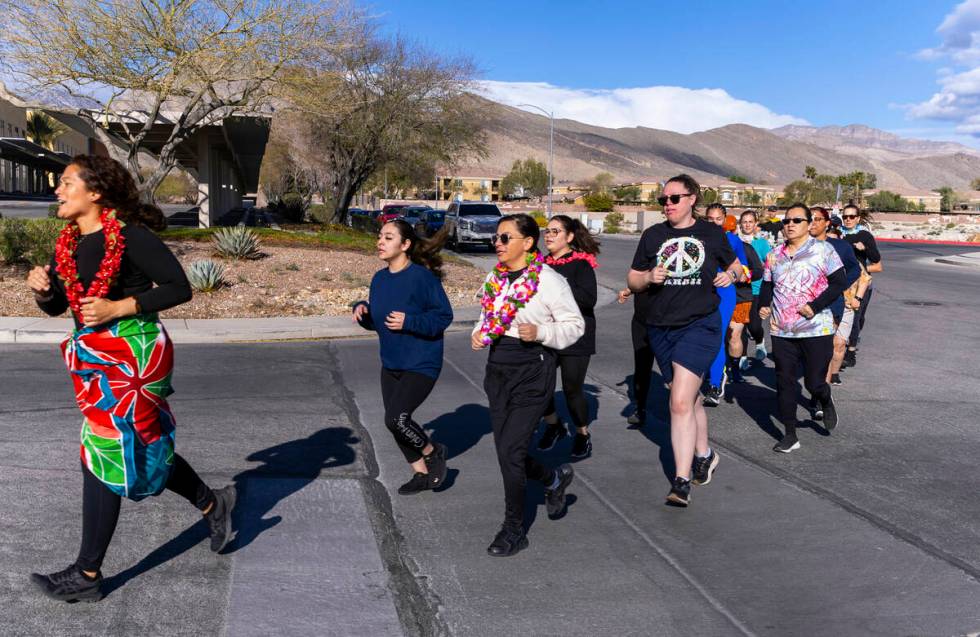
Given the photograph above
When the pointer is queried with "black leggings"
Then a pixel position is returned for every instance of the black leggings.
(859, 318)
(573, 370)
(100, 509)
(642, 363)
(518, 395)
(814, 353)
(402, 393)
(755, 328)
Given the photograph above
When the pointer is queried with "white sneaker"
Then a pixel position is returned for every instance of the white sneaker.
(760, 352)
(743, 363)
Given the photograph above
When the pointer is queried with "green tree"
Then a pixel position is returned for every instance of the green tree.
(888, 201)
(601, 183)
(709, 196)
(599, 202)
(738, 179)
(975, 184)
(948, 200)
(627, 193)
(528, 177)
(856, 182)
(751, 198)
(809, 172)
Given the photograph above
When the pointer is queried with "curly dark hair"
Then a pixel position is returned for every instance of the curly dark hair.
(110, 179)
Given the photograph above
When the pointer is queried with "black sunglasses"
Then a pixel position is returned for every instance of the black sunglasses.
(795, 220)
(504, 238)
(674, 199)
(851, 216)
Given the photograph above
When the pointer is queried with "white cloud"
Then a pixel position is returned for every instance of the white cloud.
(673, 108)
(958, 99)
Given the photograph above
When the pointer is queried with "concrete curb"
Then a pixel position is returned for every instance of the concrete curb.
(970, 260)
(54, 330)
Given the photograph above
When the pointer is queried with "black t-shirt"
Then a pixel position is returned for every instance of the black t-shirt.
(870, 252)
(692, 256)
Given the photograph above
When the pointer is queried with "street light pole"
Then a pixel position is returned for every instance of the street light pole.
(551, 153)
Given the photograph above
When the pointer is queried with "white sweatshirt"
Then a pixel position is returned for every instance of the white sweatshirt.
(552, 309)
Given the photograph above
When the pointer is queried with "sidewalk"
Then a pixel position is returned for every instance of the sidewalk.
(969, 259)
(53, 330)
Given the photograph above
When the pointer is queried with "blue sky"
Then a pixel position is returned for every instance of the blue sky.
(874, 62)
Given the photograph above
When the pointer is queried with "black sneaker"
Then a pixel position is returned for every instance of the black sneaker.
(582, 446)
(835, 379)
(435, 462)
(680, 492)
(552, 434)
(830, 417)
(508, 542)
(554, 499)
(789, 443)
(69, 585)
(419, 483)
(219, 518)
(637, 419)
(704, 468)
(736, 374)
(713, 396)
(850, 359)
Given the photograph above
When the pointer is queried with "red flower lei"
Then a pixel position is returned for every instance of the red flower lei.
(67, 267)
(573, 256)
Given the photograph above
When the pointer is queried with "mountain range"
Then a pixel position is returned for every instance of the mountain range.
(775, 157)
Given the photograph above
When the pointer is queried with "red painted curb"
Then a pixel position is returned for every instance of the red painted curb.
(930, 242)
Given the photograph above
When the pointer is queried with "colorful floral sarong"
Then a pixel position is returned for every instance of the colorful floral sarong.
(121, 372)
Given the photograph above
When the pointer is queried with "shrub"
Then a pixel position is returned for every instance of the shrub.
(613, 222)
(53, 209)
(320, 213)
(540, 217)
(599, 202)
(28, 240)
(177, 187)
(206, 275)
(237, 242)
(291, 207)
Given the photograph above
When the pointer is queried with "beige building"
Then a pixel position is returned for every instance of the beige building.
(754, 195)
(469, 188)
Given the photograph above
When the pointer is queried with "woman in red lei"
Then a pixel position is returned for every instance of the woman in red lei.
(115, 274)
(572, 253)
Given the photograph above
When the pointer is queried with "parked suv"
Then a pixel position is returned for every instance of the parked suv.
(471, 222)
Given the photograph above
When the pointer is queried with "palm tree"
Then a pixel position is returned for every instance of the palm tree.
(44, 130)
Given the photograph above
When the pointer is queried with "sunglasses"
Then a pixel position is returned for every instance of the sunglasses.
(795, 220)
(674, 199)
(504, 238)
(819, 218)
(552, 231)
(851, 216)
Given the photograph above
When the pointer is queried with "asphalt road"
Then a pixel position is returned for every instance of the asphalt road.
(870, 531)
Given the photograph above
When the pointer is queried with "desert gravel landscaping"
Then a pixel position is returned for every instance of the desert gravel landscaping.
(288, 281)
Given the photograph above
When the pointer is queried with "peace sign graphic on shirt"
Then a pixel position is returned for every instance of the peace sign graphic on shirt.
(682, 257)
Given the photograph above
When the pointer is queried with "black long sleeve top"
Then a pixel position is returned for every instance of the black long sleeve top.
(743, 291)
(870, 253)
(149, 272)
(585, 290)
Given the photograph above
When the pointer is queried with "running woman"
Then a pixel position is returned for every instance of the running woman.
(851, 306)
(409, 310)
(642, 355)
(528, 313)
(718, 374)
(572, 253)
(115, 274)
(822, 230)
(866, 250)
(802, 278)
(750, 233)
(743, 303)
(678, 263)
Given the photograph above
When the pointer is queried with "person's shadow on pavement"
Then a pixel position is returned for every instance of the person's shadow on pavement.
(460, 431)
(285, 469)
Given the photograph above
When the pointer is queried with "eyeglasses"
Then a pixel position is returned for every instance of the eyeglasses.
(674, 199)
(850, 216)
(795, 220)
(504, 238)
(552, 231)
(823, 219)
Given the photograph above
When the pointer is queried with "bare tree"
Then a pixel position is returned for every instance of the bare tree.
(127, 65)
(386, 104)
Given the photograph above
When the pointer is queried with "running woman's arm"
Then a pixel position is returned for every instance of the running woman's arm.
(645, 270)
(363, 316)
(52, 301)
(437, 315)
(152, 257)
(836, 284)
(765, 299)
(754, 262)
(568, 325)
(871, 247)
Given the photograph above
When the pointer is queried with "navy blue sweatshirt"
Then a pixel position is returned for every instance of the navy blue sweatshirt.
(852, 268)
(417, 347)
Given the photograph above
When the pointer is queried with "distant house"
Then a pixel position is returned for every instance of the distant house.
(748, 195)
(925, 200)
(470, 188)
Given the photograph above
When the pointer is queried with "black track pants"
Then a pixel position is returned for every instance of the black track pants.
(573, 370)
(402, 393)
(642, 363)
(814, 354)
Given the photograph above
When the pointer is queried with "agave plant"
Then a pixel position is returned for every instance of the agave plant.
(206, 275)
(237, 242)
